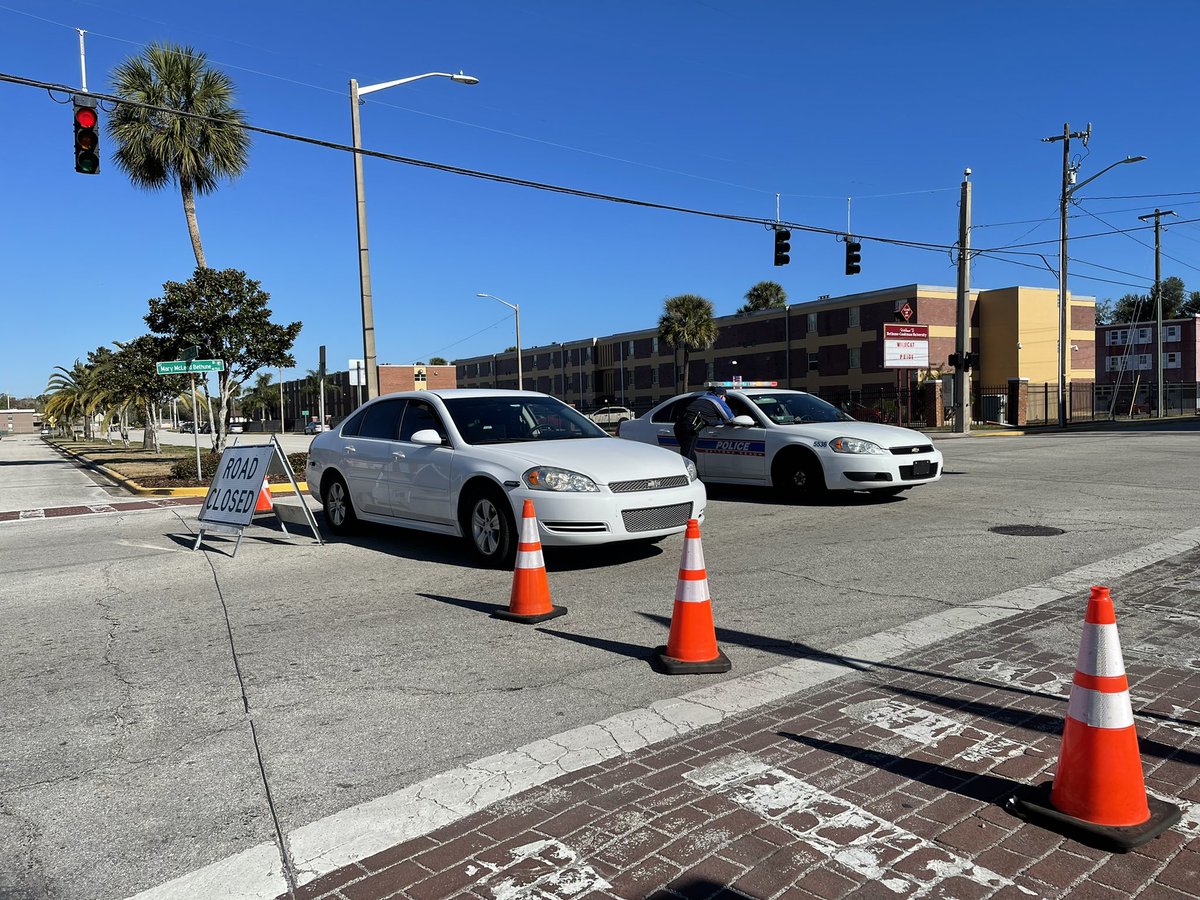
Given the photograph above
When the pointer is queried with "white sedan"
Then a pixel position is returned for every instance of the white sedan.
(464, 461)
(797, 443)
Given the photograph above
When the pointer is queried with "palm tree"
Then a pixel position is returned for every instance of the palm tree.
(71, 396)
(262, 396)
(156, 148)
(687, 323)
(764, 295)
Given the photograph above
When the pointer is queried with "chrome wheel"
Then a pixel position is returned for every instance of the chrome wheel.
(488, 521)
(485, 526)
(339, 509)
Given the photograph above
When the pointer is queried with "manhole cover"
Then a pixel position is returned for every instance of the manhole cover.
(1027, 530)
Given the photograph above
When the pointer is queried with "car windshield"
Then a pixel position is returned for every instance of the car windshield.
(794, 409)
(505, 420)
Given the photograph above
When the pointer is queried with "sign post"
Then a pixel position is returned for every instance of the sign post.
(189, 365)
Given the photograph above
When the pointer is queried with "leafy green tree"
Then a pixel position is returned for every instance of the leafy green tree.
(1176, 302)
(438, 361)
(764, 295)
(133, 385)
(156, 148)
(1104, 312)
(225, 314)
(687, 324)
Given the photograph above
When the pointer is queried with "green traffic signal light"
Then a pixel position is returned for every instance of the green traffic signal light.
(87, 136)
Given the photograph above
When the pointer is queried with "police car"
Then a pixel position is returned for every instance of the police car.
(795, 442)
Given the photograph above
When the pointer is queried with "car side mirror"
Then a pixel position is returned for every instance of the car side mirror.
(744, 421)
(427, 436)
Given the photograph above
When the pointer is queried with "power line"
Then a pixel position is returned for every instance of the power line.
(1135, 240)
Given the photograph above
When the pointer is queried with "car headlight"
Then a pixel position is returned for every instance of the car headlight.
(691, 469)
(855, 445)
(548, 478)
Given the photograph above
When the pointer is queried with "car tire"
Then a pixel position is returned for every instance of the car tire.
(488, 525)
(339, 508)
(800, 478)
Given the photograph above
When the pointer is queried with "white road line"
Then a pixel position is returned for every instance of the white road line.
(930, 729)
(844, 833)
(545, 870)
(360, 831)
(32, 514)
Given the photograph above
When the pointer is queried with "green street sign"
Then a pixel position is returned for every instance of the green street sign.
(190, 354)
(187, 367)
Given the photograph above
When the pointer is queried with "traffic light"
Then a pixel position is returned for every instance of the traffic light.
(970, 362)
(783, 246)
(853, 257)
(87, 136)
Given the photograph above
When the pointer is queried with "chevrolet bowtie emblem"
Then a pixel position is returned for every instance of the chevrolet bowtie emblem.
(652, 483)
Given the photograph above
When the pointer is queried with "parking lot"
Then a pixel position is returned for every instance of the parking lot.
(136, 666)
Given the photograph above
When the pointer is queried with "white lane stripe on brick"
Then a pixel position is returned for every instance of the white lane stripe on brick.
(930, 729)
(541, 870)
(823, 822)
(32, 514)
(357, 832)
(101, 508)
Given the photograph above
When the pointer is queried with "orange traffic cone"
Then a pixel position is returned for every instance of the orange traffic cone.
(692, 644)
(1098, 795)
(530, 599)
(264, 499)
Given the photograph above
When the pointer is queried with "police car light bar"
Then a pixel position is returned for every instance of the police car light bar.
(741, 384)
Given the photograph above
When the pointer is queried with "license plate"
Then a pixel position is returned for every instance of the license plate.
(921, 468)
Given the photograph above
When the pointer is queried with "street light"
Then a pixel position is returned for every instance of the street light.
(1068, 191)
(364, 266)
(517, 313)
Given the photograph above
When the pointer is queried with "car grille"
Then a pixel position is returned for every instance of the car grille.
(653, 518)
(649, 484)
(911, 449)
(906, 472)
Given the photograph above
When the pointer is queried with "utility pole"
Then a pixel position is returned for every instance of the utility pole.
(1158, 318)
(1068, 176)
(962, 321)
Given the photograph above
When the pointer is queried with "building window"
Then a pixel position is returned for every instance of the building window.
(629, 350)
(654, 376)
(654, 345)
(711, 376)
(853, 320)
(1143, 335)
(813, 365)
(812, 323)
(1171, 334)
(856, 357)
(1172, 360)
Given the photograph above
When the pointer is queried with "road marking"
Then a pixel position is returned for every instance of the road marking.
(825, 822)
(149, 546)
(545, 870)
(360, 831)
(930, 729)
(32, 514)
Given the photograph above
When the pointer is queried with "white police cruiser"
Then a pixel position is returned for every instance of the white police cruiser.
(796, 442)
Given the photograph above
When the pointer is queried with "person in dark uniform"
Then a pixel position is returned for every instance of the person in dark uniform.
(710, 408)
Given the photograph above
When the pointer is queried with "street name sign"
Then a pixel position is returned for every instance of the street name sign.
(905, 346)
(186, 367)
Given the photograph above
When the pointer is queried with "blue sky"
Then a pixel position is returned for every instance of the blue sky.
(708, 104)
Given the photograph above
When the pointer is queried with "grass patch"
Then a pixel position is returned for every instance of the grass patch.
(168, 468)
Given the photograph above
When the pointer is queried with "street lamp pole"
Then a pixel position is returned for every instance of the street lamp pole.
(517, 315)
(364, 264)
(1068, 191)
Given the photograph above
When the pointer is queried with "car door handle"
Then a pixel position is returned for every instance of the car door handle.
(350, 449)
(397, 454)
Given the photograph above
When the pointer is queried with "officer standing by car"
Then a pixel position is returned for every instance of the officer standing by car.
(710, 408)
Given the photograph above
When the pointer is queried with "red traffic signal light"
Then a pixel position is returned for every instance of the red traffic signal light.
(87, 136)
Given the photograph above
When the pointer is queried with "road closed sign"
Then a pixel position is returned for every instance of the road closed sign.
(234, 491)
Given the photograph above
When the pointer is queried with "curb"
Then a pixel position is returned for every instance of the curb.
(130, 485)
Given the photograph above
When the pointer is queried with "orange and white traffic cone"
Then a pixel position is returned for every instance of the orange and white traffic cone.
(692, 644)
(1098, 795)
(264, 503)
(530, 599)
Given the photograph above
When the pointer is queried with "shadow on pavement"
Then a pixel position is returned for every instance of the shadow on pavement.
(633, 651)
(474, 605)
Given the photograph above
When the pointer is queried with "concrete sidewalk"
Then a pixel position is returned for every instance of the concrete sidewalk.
(889, 780)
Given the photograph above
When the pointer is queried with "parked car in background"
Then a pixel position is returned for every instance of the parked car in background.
(314, 428)
(797, 443)
(612, 415)
(187, 427)
(463, 462)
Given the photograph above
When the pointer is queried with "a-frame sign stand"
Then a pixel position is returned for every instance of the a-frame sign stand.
(233, 495)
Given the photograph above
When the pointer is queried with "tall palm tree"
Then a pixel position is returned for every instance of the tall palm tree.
(156, 148)
(764, 295)
(687, 324)
(71, 396)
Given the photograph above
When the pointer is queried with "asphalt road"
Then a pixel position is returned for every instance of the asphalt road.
(127, 756)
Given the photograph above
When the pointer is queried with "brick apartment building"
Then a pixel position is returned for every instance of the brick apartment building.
(1127, 363)
(301, 398)
(829, 346)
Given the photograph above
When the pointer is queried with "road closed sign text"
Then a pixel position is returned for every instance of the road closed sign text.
(234, 491)
(906, 346)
